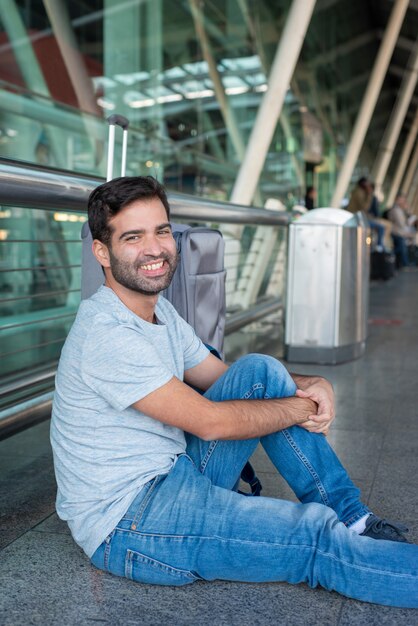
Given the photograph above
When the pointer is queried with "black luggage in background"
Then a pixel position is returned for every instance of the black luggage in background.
(413, 255)
(382, 265)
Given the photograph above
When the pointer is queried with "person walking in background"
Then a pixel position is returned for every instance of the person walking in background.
(310, 198)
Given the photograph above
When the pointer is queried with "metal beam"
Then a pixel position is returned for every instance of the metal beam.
(27, 185)
(343, 49)
(405, 43)
(226, 110)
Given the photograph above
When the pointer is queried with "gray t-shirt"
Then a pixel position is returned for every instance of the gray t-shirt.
(104, 450)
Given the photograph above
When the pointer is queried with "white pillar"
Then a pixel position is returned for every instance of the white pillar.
(391, 135)
(83, 86)
(369, 99)
(283, 119)
(403, 161)
(414, 203)
(411, 171)
(270, 107)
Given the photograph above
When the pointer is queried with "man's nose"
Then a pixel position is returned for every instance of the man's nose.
(152, 246)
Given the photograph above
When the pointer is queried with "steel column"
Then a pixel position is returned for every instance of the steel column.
(411, 171)
(283, 119)
(369, 99)
(271, 105)
(414, 203)
(403, 161)
(391, 135)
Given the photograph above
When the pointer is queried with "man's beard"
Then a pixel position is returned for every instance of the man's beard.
(126, 274)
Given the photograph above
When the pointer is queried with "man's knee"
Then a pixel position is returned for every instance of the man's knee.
(262, 362)
(263, 367)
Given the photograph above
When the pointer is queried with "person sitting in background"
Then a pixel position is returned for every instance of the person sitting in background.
(381, 227)
(364, 199)
(310, 198)
(403, 234)
(361, 196)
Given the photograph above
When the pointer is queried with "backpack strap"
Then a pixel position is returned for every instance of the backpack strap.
(249, 476)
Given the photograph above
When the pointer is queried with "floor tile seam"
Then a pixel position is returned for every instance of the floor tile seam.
(14, 540)
(32, 529)
(40, 531)
(44, 519)
(377, 465)
(343, 604)
(31, 532)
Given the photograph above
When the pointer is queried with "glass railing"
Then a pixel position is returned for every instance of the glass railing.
(41, 214)
(36, 129)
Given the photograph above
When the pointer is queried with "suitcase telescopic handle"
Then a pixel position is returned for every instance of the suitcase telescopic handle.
(113, 121)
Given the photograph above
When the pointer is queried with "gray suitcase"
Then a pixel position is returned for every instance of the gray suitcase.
(197, 290)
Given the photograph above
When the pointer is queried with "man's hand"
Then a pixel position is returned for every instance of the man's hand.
(320, 390)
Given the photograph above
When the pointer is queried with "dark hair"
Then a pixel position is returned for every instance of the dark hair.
(362, 181)
(108, 199)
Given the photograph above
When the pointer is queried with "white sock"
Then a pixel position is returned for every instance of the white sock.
(359, 526)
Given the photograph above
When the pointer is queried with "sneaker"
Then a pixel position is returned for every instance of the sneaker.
(378, 528)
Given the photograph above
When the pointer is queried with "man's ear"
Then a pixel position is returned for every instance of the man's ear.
(101, 252)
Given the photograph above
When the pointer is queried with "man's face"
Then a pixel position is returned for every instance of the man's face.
(401, 201)
(142, 254)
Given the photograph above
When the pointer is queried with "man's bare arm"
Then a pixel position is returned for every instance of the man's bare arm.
(206, 373)
(177, 404)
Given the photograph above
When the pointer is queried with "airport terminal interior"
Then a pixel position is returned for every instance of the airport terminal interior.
(251, 113)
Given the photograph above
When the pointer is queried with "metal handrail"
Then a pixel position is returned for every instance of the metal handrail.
(29, 185)
(259, 311)
(32, 186)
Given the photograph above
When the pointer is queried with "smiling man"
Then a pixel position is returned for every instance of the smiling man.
(147, 467)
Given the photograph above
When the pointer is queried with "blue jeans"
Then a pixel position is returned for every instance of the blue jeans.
(191, 525)
(380, 230)
(401, 251)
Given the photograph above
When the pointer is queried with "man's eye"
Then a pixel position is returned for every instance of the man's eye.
(132, 238)
(165, 231)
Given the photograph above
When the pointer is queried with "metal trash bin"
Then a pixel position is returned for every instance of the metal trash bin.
(327, 287)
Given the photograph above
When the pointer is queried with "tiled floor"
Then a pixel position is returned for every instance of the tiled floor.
(46, 580)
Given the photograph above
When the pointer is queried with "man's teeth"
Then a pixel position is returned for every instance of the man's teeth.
(152, 266)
